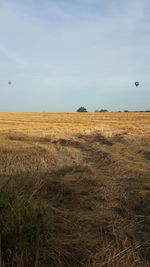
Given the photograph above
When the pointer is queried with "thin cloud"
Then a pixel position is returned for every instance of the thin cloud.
(12, 56)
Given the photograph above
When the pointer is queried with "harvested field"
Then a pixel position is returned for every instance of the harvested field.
(75, 189)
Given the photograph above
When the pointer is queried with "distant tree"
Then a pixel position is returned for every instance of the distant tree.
(81, 109)
(126, 111)
(101, 110)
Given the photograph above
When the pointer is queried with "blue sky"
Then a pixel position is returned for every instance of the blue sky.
(61, 55)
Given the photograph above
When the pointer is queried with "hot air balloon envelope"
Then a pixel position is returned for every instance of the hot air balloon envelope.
(137, 83)
(9, 82)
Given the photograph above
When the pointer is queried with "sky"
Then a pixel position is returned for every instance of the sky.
(62, 54)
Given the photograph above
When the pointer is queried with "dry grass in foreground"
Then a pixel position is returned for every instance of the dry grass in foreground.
(74, 189)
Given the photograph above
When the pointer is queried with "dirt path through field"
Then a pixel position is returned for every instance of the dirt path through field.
(125, 198)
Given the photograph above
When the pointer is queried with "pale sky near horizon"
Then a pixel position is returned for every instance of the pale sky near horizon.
(63, 54)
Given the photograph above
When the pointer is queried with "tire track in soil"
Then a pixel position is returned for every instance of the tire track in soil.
(129, 227)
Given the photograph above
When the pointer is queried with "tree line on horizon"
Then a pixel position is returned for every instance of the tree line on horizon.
(83, 109)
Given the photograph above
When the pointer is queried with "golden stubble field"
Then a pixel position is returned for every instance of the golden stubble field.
(75, 189)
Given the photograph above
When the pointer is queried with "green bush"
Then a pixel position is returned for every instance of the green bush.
(81, 109)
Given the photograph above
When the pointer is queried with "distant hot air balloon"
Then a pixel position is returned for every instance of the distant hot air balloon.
(9, 83)
(137, 84)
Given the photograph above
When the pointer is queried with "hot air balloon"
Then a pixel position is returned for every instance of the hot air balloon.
(9, 83)
(137, 84)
